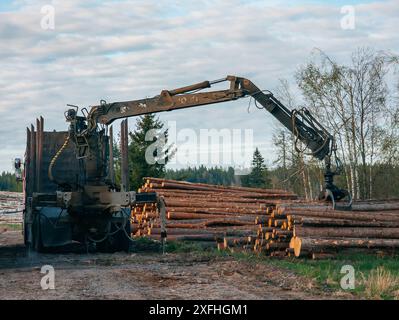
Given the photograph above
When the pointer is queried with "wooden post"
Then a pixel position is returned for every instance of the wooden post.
(111, 155)
(40, 155)
(122, 146)
(124, 156)
(32, 168)
(39, 149)
(27, 165)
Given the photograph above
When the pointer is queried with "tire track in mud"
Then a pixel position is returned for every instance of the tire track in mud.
(79, 275)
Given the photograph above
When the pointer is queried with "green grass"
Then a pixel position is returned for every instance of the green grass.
(11, 226)
(149, 245)
(186, 247)
(146, 245)
(376, 276)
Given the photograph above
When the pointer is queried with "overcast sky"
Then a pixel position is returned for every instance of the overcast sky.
(131, 49)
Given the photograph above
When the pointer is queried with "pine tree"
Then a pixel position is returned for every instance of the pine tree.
(202, 174)
(8, 182)
(259, 176)
(141, 167)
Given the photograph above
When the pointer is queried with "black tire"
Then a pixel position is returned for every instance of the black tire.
(116, 242)
(37, 234)
(124, 243)
(104, 246)
(33, 233)
(26, 235)
(27, 230)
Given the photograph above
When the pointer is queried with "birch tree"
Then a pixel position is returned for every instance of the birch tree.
(350, 99)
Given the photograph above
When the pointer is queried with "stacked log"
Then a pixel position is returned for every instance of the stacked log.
(10, 202)
(322, 230)
(224, 216)
(272, 222)
(316, 230)
(11, 207)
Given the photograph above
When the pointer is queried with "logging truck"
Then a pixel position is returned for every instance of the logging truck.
(69, 180)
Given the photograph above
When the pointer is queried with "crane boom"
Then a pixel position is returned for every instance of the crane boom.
(89, 139)
(302, 124)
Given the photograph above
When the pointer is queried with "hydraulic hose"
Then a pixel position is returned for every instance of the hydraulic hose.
(55, 158)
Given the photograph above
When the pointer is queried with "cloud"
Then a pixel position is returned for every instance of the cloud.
(124, 50)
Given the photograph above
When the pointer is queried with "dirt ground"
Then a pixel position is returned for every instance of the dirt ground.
(79, 275)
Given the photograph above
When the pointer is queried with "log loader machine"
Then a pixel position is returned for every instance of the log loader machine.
(69, 189)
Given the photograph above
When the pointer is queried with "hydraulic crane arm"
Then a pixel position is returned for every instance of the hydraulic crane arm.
(301, 123)
(167, 101)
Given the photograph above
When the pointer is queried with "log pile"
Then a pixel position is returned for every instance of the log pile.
(209, 214)
(306, 229)
(322, 230)
(11, 206)
(274, 222)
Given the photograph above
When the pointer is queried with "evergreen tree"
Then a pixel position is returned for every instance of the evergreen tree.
(117, 163)
(156, 149)
(259, 176)
(202, 174)
(8, 182)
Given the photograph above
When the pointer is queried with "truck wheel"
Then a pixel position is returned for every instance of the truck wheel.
(124, 243)
(26, 234)
(37, 235)
(104, 246)
(116, 242)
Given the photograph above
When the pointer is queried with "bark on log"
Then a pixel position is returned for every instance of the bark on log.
(221, 210)
(219, 232)
(189, 216)
(239, 241)
(360, 216)
(167, 182)
(325, 222)
(375, 207)
(378, 233)
(276, 245)
(188, 237)
(206, 216)
(239, 197)
(316, 244)
(197, 203)
(228, 222)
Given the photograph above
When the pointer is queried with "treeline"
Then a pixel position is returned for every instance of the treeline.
(202, 174)
(142, 164)
(386, 177)
(258, 177)
(308, 183)
(357, 103)
(8, 182)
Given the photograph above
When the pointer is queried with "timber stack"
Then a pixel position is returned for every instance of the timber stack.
(209, 214)
(11, 206)
(321, 231)
(274, 222)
